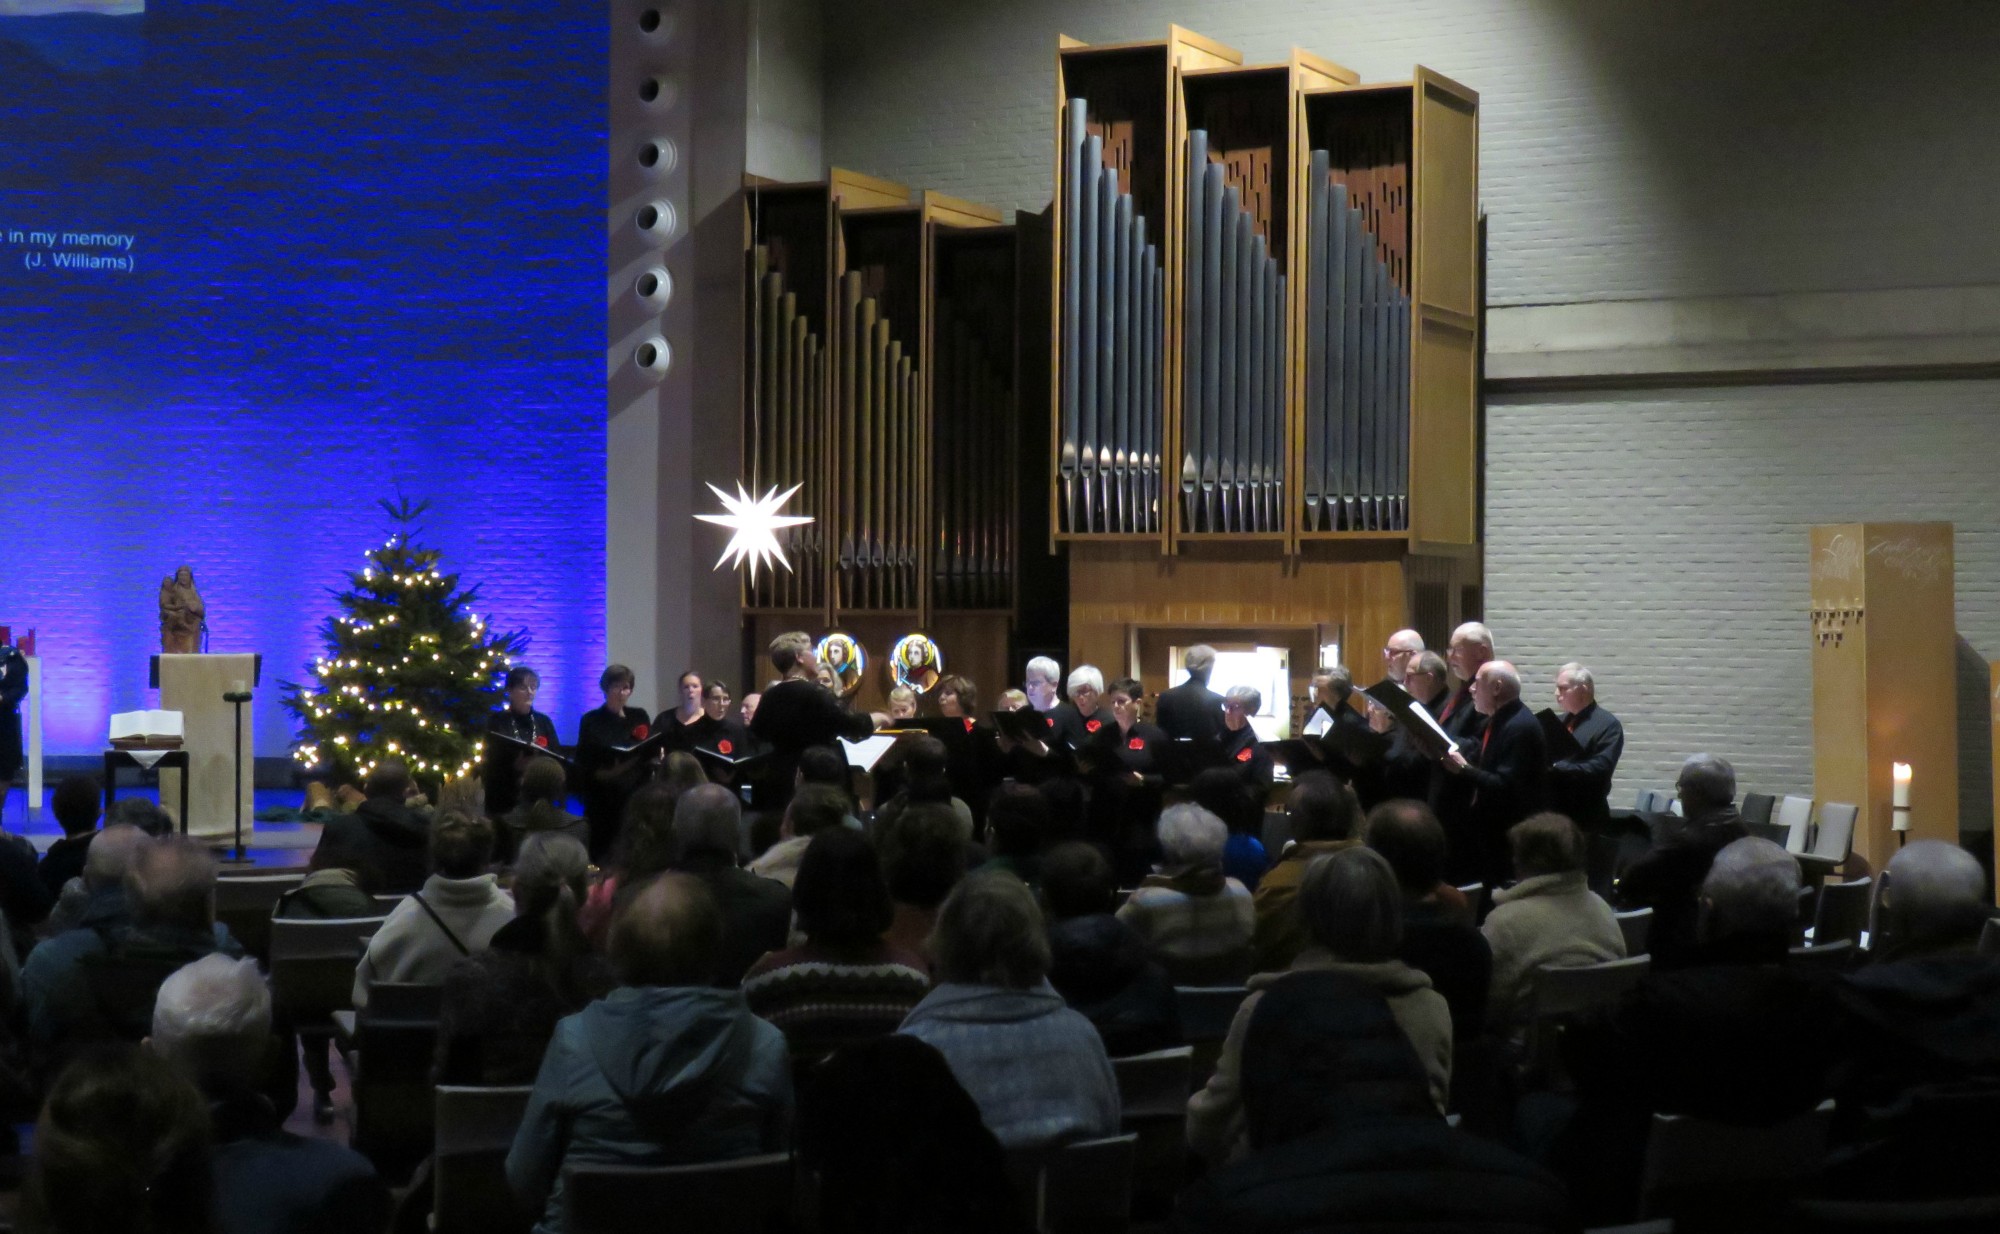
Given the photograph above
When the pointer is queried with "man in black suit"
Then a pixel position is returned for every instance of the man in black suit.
(1507, 769)
(1406, 769)
(1450, 795)
(1331, 717)
(1580, 785)
(1191, 709)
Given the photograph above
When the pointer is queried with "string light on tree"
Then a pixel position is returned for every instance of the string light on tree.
(373, 694)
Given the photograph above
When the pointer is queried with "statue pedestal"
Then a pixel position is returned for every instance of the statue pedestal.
(194, 685)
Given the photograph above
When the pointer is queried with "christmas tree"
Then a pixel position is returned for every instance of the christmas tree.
(409, 671)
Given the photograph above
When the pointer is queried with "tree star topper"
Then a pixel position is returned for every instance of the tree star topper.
(754, 522)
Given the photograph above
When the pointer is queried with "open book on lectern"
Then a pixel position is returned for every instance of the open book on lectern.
(1414, 717)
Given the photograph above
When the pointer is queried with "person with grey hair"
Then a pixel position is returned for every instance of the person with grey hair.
(1197, 921)
(1037, 1069)
(1681, 1040)
(1240, 751)
(756, 911)
(212, 1023)
(1932, 901)
(499, 1006)
(1352, 910)
(1082, 721)
(1407, 770)
(1508, 769)
(1667, 876)
(1580, 778)
(1191, 711)
(1041, 681)
(160, 915)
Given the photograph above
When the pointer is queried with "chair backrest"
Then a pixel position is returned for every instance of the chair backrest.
(1080, 1188)
(1566, 991)
(1637, 926)
(312, 963)
(1154, 1084)
(300, 939)
(244, 903)
(1276, 832)
(403, 1000)
(1795, 816)
(746, 1196)
(389, 902)
(1690, 1160)
(1756, 808)
(1206, 1011)
(1989, 937)
(475, 1130)
(1842, 913)
(1834, 956)
(1476, 898)
(1650, 801)
(1834, 837)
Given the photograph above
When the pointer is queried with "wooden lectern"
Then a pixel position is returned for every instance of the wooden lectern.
(194, 685)
(1885, 682)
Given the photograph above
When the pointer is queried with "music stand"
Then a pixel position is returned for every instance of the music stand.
(238, 698)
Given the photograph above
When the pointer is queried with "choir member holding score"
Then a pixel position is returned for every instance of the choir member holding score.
(606, 778)
(522, 731)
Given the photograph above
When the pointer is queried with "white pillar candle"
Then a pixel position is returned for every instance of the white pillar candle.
(1900, 792)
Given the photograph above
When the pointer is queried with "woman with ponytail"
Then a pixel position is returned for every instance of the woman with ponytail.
(500, 1006)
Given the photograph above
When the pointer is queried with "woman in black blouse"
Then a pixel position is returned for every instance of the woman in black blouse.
(520, 721)
(605, 777)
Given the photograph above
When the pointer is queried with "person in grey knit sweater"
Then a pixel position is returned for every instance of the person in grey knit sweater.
(458, 911)
(1549, 917)
(1037, 1069)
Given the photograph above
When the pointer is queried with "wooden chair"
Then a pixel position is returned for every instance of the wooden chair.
(1842, 913)
(1832, 841)
(389, 902)
(395, 1046)
(475, 1130)
(1557, 995)
(1206, 1013)
(1153, 1098)
(1637, 927)
(1756, 809)
(313, 962)
(1795, 816)
(1836, 956)
(750, 1195)
(244, 902)
(1080, 1188)
(1713, 1169)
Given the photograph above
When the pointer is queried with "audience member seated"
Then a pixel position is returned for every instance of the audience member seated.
(645, 847)
(141, 812)
(1018, 828)
(845, 981)
(24, 900)
(1922, 1016)
(924, 769)
(1353, 911)
(544, 791)
(1667, 877)
(212, 1022)
(1223, 793)
(665, 1070)
(336, 886)
(1548, 917)
(1099, 964)
(1342, 1134)
(1196, 920)
(681, 771)
(1325, 818)
(813, 808)
(1037, 1070)
(75, 802)
(923, 857)
(458, 911)
(122, 1147)
(1737, 1035)
(392, 837)
(898, 1147)
(756, 912)
(499, 1006)
(97, 982)
(1438, 935)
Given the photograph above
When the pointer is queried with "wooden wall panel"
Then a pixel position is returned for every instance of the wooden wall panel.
(1885, 682)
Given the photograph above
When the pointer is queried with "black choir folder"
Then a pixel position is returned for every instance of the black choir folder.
(1341, 748)
(1415, 719)
(1023, 725)
(1555, 732)
(503, 742)
(647, 748)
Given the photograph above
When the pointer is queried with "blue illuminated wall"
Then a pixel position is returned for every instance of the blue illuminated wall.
(366, 254)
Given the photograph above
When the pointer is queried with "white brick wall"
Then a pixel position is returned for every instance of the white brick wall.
(1660, 537)
(1631, 150)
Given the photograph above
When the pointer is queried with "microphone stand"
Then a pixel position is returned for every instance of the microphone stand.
(238, 697)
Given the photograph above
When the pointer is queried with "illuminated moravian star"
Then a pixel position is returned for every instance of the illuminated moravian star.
(754, 523)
